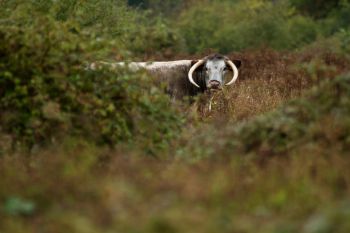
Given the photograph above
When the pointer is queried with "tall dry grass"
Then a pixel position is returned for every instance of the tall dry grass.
(269, 78)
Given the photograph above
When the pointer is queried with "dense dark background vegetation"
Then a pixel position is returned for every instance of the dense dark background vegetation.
(98, 151)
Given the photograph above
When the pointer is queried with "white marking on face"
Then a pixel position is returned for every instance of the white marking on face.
(216, 70)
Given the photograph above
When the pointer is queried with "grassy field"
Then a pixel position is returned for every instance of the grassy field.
(91, 152)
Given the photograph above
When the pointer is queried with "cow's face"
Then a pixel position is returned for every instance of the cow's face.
(215, 68)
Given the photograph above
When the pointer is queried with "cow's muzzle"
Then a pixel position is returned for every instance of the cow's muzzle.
(214, 85)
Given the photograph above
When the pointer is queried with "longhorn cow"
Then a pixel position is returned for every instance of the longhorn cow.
(187, 77)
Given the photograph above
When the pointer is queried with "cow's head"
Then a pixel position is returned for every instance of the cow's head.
(215, 67)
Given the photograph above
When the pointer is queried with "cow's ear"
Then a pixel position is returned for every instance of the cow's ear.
(237, 63)
(194, 62)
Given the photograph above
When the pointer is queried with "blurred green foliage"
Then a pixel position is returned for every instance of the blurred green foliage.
(317, 9)
(163, 7)
(108, 19)
(232, 25)
(281, 171)
(195, 26)
(237, 25)
(17, 206)
(46, 94)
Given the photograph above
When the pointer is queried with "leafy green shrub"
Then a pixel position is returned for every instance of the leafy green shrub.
(111, 19)
(46, 95)
(342, 15)
(301, 31)
(228, 26)
(344, 38)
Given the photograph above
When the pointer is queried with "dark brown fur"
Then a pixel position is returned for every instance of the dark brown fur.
(176, 81)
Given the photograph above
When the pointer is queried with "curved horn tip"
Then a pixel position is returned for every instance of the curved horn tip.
(235, 72)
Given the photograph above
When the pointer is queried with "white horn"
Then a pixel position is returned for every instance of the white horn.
(193, 68)
(235, 72)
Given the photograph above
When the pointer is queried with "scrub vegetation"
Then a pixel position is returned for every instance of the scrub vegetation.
(108, 151)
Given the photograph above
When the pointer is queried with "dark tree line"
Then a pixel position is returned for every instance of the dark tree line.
(317, 8)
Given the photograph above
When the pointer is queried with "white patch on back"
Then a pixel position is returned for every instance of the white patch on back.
(134, 66)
